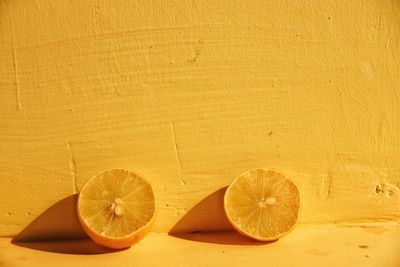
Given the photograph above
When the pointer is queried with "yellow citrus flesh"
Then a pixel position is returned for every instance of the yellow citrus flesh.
(116, 208)
(262, 204)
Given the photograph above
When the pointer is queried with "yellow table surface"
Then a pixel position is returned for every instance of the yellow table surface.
(363, 245)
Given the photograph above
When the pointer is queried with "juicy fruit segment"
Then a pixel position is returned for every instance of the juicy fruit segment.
(262, 204)
(116, 208)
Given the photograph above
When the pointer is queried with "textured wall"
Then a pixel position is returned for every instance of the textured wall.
(191, 93)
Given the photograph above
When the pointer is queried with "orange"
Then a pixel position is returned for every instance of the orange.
(262, 204)
(116, 208)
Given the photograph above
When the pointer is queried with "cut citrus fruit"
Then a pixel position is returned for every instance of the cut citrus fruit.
(262, 204)
(116, 208)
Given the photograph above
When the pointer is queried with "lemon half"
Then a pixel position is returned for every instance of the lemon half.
(262, 204)
(116, 208)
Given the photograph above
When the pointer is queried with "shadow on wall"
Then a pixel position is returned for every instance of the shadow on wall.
(206, 222)
(58, 230)
(207, 216)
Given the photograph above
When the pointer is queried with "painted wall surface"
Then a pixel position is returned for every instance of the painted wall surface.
(192, 93)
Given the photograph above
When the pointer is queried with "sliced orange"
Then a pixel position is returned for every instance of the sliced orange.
(262, 204)
(116, 208)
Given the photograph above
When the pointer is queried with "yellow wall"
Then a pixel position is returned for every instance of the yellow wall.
(191, 93)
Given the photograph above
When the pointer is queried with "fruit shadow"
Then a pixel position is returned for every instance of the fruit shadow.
(58, 230)
(207, 222)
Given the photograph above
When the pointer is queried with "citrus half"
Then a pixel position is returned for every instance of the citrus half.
(262, 204)
(116, 208)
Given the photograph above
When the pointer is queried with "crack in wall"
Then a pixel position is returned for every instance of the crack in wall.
(72, 168)
(178, 158)
(325, 189)
(15, 67)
